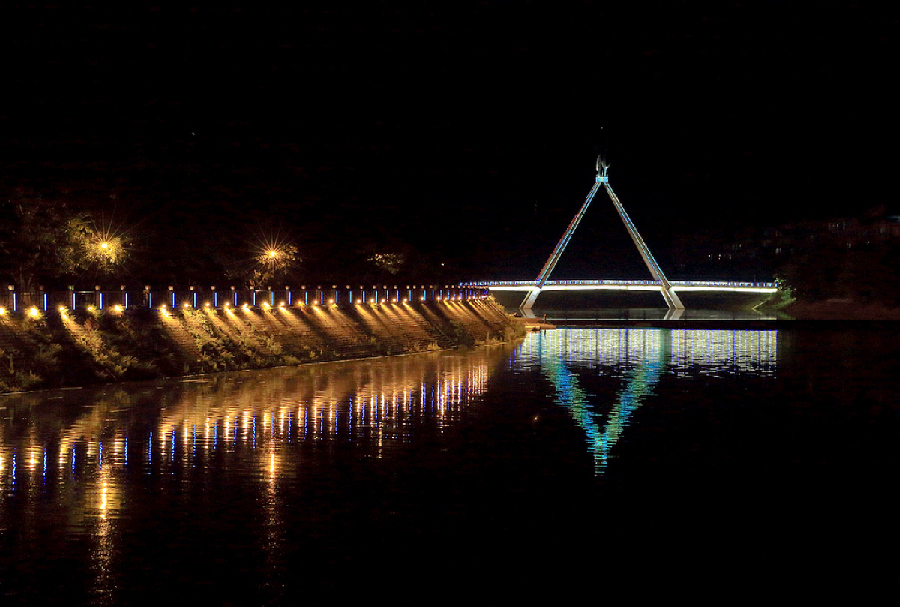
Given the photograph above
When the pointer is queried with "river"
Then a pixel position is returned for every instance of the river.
(715, 464)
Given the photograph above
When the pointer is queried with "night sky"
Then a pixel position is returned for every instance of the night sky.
(462, 133)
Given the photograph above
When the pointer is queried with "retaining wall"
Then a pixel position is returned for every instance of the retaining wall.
(78, 347)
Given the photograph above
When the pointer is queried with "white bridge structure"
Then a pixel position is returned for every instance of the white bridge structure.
(668, 288)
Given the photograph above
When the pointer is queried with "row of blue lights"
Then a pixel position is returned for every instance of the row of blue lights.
(681, 283)
(101, 300)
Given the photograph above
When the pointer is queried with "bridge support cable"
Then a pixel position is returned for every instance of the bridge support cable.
(566, 237)
(528, 302)
(668, 293)
(672, 300)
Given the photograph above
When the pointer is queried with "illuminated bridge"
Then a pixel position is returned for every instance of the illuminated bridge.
(667, 288)
(673, 286)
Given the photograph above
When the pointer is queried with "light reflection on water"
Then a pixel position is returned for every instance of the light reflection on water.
(238, 448)
(640, 357)
(370, 404)
(81, 453)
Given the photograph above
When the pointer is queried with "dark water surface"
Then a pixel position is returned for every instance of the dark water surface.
(713, 465)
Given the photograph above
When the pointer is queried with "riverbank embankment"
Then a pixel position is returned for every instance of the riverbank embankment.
(841, 309)
(84, 347)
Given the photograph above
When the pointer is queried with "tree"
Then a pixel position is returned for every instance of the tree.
(274, 262)
(42, 241)
(388, 262)
(865, 273)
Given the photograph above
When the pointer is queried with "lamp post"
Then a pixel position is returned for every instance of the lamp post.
(109, 252)
(273, 256)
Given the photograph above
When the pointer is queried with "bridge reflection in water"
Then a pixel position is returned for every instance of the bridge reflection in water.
(158, 427)
(640, 357)
(259, 462)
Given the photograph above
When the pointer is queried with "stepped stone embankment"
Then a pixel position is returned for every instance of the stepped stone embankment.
(87, 347)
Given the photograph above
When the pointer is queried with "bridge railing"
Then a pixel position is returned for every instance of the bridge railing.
(615, 282)
(13, 301)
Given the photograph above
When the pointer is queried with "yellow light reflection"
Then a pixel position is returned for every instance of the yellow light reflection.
(103, 499)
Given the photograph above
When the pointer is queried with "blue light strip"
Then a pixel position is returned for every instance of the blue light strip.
(566, 237)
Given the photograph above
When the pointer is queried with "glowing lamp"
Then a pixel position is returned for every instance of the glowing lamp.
(33, 312)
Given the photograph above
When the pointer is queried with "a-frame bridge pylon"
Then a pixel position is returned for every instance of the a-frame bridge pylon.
(603, 179)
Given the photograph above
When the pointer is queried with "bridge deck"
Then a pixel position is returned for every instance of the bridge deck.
(624, 285)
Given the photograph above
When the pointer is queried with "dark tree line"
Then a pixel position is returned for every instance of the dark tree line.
(866, 273)
(50, 244)
(44, 243)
